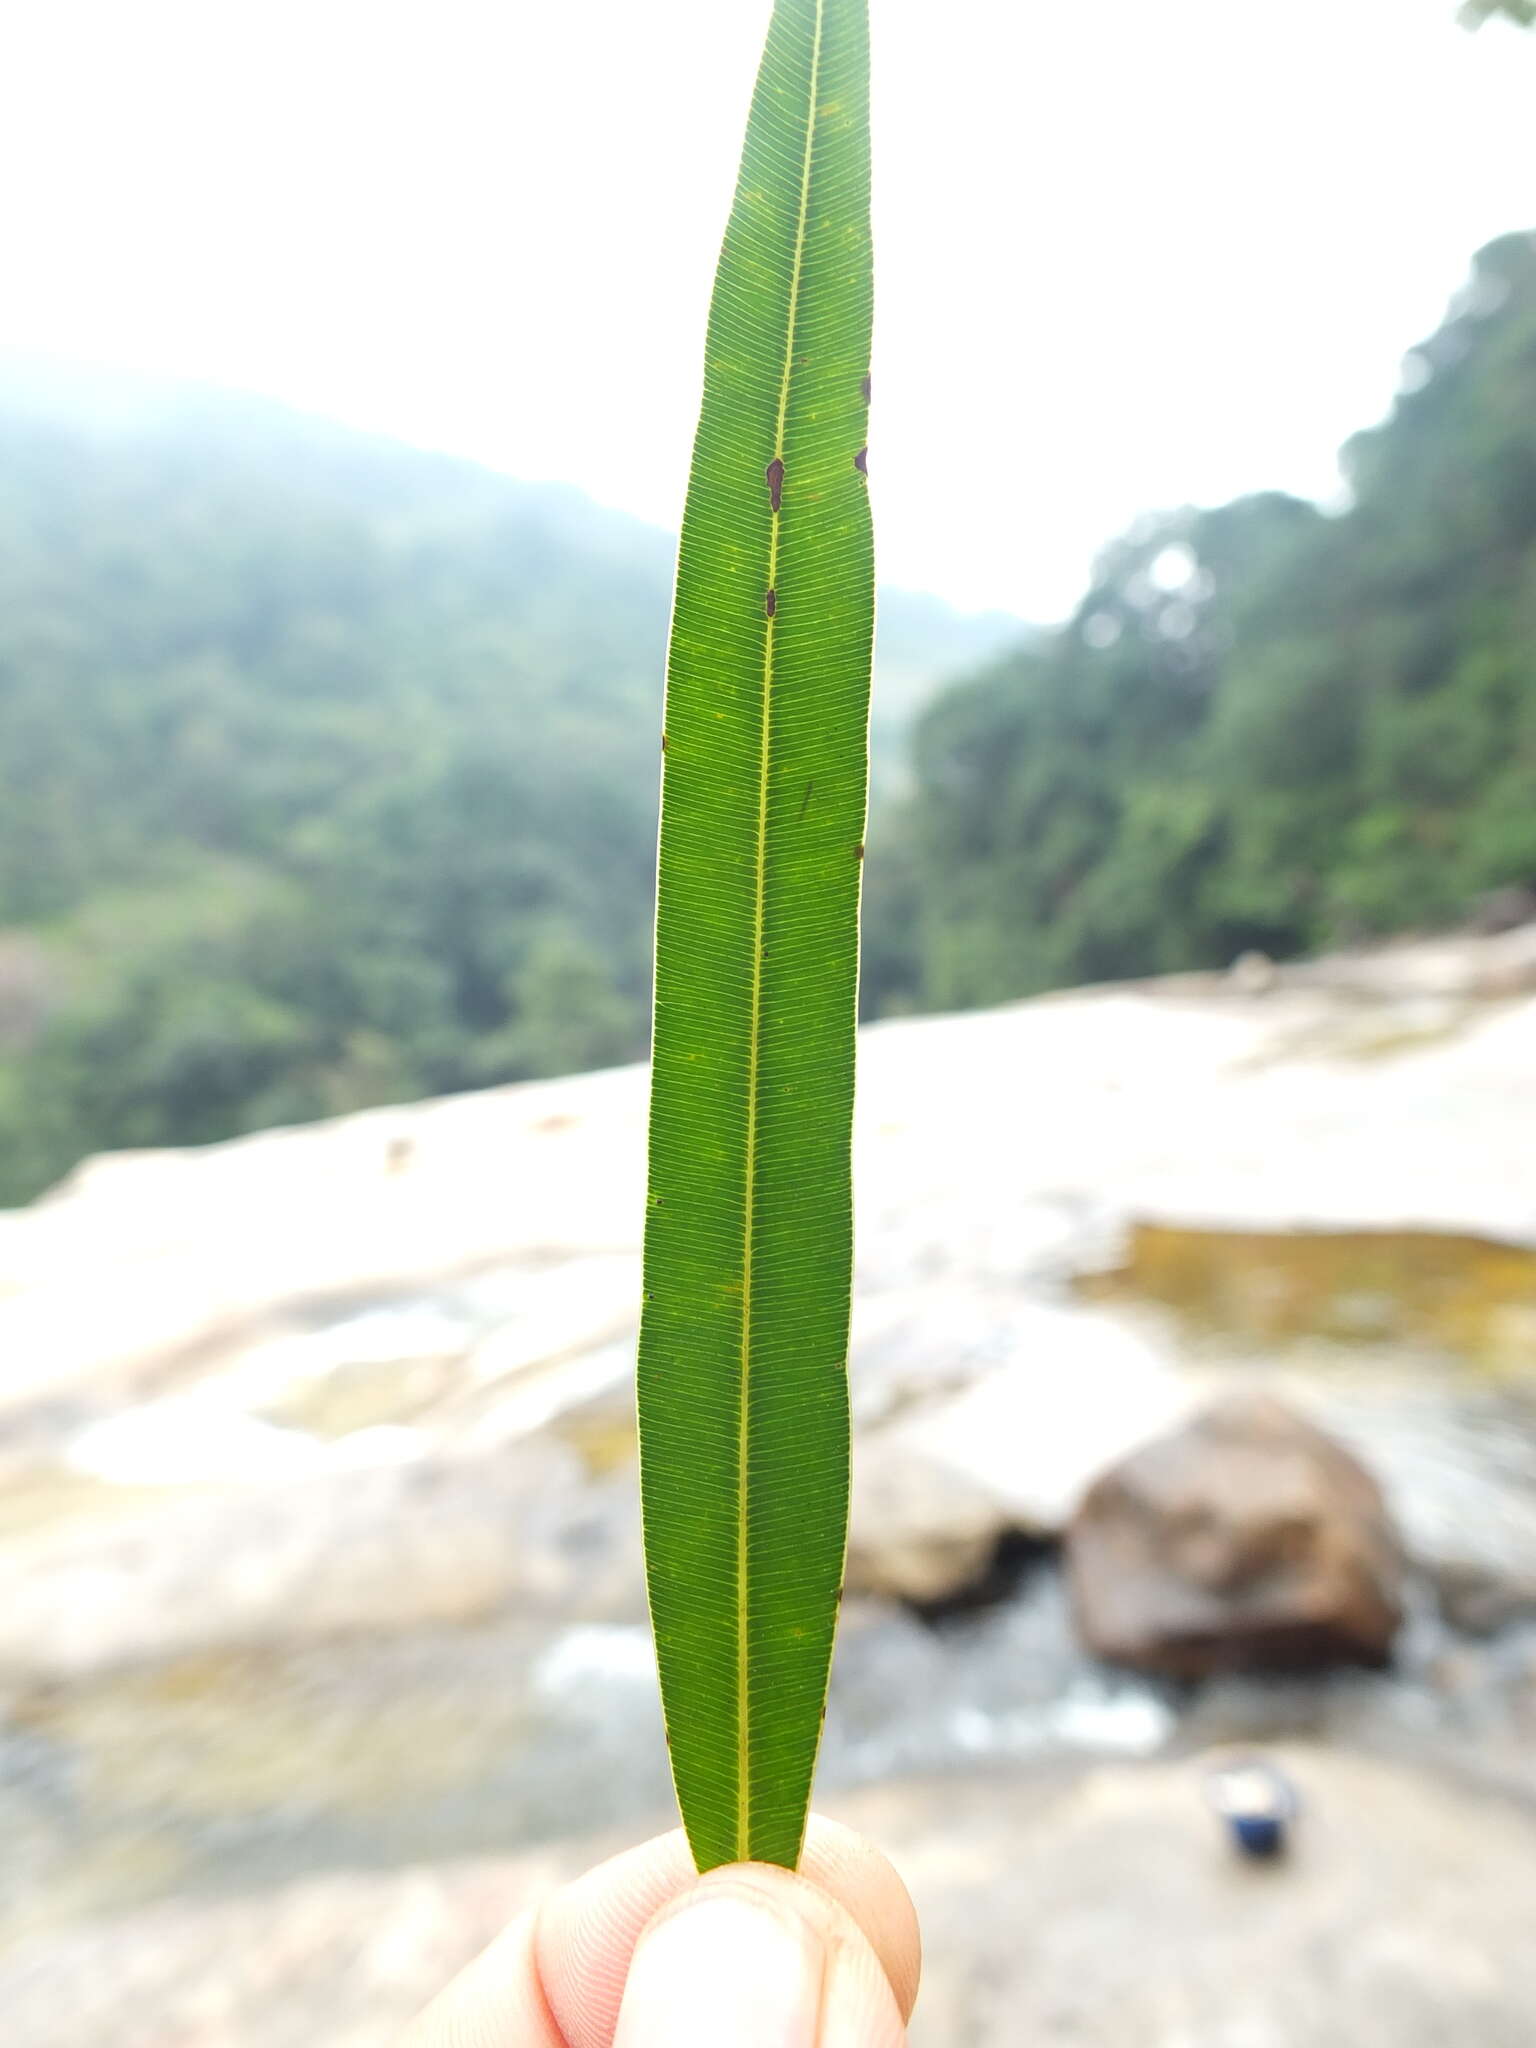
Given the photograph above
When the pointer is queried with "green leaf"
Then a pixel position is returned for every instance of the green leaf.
(744, 1336)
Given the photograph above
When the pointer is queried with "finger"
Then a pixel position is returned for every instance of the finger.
(760, 1958)
(853, 1870)
(561, 1979)
(497, 2002)
(587, 1932)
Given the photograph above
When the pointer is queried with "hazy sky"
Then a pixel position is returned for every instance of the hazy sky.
(1131, 253)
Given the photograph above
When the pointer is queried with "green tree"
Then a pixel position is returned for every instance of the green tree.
(364, 736)
(1264, 727)
(1476, 12)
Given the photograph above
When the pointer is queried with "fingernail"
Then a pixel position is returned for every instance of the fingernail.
(724, 1967)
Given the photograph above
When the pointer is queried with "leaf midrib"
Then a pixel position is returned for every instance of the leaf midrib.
(775, 517)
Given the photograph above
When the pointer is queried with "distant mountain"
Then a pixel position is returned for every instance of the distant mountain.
(331, 766)
(921, 645)
(923, 642)
(1267, 727)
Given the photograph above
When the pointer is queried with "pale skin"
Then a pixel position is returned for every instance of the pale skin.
(642, 1952)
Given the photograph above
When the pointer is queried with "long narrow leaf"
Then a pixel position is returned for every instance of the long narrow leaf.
(743, 1344)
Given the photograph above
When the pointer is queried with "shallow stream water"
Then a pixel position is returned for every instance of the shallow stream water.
(231, 1769)
(243, 1769)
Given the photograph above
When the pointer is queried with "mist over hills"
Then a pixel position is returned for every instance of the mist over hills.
(331, 765)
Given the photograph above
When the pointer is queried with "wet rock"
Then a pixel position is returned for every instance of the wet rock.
(1471, 965)
(343, 1960)
(1253, 974)
(1090, 1909)
(1481, 1603)
(1106, 1914)
(1082, 1390)
(1008, 1453)
(919, 1529)
(1503, 910)
(1458, 1466)
(1466, 1296)
(1510, 966)
(993, 1150)
(381, 1550)
(255, 1324)
(1246, 1539)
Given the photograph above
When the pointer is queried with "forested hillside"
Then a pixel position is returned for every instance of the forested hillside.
(329, 768)
(1265, 726)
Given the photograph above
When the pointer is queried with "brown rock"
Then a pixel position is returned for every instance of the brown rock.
(1247, 1539)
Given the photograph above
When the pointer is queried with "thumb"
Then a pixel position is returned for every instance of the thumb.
(751, 1956)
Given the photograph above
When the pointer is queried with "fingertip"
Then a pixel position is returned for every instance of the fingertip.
(498, 1998)
(733, 1960)
(587, 1932)
(853, 1870)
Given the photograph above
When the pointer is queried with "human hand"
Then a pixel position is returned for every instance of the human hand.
(642, 1952)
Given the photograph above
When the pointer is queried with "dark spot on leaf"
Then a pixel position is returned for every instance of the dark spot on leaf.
(770, 602)
(663, 743)
(861, 462)
(858, 851)
(775, 476)
(805, 800)
(864, 389)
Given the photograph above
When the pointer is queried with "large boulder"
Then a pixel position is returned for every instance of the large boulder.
(1248, 1539)
(1009, 1451)
(919, 1529)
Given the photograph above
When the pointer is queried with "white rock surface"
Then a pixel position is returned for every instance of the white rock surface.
(1096, 1911)
(273, 1324)
(998, 1148)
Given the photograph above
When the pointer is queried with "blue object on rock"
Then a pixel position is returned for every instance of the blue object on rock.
(1257, 1835)
(1258, 1803)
